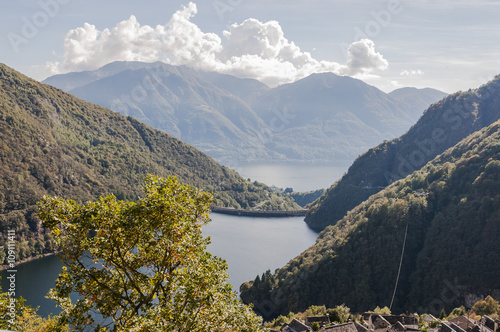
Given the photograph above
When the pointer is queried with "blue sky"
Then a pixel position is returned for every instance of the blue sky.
(449, 45)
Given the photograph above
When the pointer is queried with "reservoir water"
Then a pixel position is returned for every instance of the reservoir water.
(300, 177)
(249, 245)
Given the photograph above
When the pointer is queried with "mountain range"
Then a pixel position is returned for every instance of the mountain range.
(323, 117)
(426, 238)
(441, 126)
(53, 143)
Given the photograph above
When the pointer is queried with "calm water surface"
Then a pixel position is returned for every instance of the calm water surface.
(249, 245)
(300, 177)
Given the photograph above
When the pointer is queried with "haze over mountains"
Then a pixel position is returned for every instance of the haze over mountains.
(323, 117)
(52, 143)
(443, 125)
(414, 219)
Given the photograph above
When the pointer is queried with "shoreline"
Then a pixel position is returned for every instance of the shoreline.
(214, 209)
(263, 214)
(26, 260)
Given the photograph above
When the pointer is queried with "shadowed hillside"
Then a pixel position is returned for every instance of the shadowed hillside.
(443, 125)
(446, 216)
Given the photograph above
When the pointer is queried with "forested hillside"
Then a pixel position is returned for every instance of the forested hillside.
(53, 143)
(446, 216)
(443, 125)
(323, 117)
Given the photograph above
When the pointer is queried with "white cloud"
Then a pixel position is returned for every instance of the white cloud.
(179, 42)
(413, 72)
(52, 67)
(363, 58)
(251, 49)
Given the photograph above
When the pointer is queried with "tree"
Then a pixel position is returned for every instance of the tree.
(442, 314)
(487, 306)
(384, 311)
(143, 266)
(21, 317)
(339, 314)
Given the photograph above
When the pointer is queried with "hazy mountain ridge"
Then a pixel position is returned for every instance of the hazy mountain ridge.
(442, 125)
(53, 143)
(179, 101)
(323, 117)
(447, 215)
(333, 117)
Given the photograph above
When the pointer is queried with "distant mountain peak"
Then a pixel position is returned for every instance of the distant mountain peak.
(323, 117)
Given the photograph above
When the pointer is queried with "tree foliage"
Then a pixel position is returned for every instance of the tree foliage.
(52, 143)
(17, 316)
(143, 266)
(449, 213)
(487, 306)
(443, 125)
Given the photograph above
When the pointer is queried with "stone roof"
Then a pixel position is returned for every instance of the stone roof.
(295, 326)
(378, 322)
(360, 328)
(348, 327)
(463, 322)
(490, 323)
(322, 320)
(429, 318)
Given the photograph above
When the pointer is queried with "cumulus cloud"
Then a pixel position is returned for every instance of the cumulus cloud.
(52, 67)
(363, 58)
(412, 72)
(178, 42)
(251, 49)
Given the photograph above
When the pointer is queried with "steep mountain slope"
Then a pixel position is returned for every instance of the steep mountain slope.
(419, 99)
(247, 89)
(179, 101)
(53, 143)
(74, 80)
(322, 117)
(330, 117)
(446, 216)
(443, 125)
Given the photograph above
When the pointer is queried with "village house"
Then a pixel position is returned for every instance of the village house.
(465, 324)
(373, 322)
(321, 320)
(295, 326)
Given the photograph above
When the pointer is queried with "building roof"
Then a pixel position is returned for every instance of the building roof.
(295, 326)
(463, 322)
(348, 327)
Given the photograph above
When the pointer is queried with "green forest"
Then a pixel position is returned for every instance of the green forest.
(442, 125)
(55, 144)
(447, 216)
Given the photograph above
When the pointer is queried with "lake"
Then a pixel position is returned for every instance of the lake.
(300, 177)
(250, 245)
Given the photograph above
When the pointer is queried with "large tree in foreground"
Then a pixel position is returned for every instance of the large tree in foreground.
(143, 266)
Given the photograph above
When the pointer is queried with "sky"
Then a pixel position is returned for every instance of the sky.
(449, 45)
